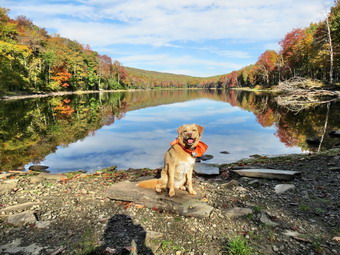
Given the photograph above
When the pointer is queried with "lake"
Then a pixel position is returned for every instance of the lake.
(134, 129)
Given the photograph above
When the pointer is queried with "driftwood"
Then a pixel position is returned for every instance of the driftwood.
(298, 94)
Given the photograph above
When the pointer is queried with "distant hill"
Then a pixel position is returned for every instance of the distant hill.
(161, 79)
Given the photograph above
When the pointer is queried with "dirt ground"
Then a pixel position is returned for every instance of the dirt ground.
(72, 214)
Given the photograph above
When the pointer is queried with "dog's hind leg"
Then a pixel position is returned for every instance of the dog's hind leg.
(171, 180)
(162, 182)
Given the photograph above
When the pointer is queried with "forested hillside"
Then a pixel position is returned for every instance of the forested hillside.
(311, 52)
(31, 60)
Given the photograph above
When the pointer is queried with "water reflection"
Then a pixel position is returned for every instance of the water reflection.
(133, 129)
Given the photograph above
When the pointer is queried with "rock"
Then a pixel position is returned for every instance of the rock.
(19, 207)
(206, 169)
(281, 188)
(254, 183)
(109, 250)
(265, 220)
(267, 173)
(237, 212)
(334, 133)
(38, 168)
(230, 185)
(14, 247)
(42, 224)
(21, 219)
(336, 168)
(224, 152)
(196, 208)
(182, 203)
(153, 235)
(206, 157)
(7, 187)
(305, 194)
(336, 238)
(291, 233)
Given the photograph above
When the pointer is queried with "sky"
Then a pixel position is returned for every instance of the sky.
(193, 37)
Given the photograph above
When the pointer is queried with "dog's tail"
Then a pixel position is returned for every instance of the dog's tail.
(148, 184)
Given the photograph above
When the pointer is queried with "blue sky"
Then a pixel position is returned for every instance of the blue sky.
(193, 37)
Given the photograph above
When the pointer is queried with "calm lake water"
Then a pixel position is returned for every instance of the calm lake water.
(134, 129)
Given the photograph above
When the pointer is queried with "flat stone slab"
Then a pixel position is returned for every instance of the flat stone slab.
(182, 203)
(285, 175)
(206, 169)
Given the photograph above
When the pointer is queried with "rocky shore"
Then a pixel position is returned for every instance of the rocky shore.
(43, 213)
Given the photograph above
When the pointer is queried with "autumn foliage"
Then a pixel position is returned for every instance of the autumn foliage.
(32, 60)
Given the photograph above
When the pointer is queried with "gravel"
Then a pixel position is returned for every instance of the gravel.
(74, 216)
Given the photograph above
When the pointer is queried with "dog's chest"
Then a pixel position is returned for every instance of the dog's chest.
(183, 167)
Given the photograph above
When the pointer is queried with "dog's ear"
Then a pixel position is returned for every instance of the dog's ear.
(200, 129)
(179, 130)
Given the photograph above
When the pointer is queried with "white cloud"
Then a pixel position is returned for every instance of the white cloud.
(162, 22)
(235, 120)
(191, 26)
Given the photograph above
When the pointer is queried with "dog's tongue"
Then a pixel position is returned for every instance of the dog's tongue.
(191, 140)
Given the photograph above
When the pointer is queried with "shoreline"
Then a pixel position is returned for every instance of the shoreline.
(79, 92)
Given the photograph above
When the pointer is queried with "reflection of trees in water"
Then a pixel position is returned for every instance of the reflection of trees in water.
(292, 128)
(33, 128)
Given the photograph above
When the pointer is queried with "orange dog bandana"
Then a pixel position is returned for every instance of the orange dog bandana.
(197, 152)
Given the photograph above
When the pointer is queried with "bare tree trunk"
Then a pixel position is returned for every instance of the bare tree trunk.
(331, 53)
(325, 127)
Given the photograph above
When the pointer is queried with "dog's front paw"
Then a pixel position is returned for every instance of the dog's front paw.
(183, 188)
(171, 193)
(192, 192)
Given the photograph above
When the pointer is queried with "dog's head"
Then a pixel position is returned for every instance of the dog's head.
(189, 135)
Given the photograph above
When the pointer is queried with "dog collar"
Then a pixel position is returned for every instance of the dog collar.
(201, 147)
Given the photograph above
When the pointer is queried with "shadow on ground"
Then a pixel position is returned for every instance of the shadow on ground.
(122, 236)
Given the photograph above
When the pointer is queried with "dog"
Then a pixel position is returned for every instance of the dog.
(179, 161)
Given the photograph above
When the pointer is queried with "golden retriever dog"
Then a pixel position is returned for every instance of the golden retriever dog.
(179, 161)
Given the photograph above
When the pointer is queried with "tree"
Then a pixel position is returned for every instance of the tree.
(267, 64)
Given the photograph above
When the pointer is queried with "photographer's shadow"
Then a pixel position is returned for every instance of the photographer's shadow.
(122, 236)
